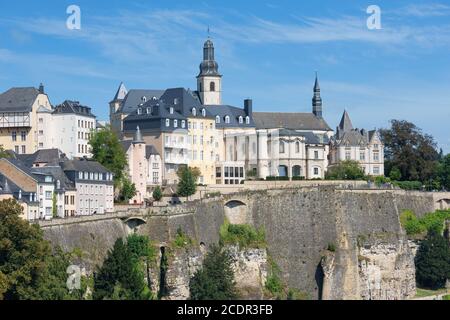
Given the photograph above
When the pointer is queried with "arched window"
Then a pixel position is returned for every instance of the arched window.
(175, 123)
(144, 99)
(194, 112)
(227, 119)
(139, 111)
(247, 120)
(204, 112)
(212, 86)
(149, 110)
(217, 119)
(183, 124)
(282, 147)
(241, 120)
(297, 147)
(167, 122)
(171, 110)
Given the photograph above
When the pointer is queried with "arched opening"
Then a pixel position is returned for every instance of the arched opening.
(319, 276)
(282, 171)
(296, 171)
(134, 223)
(236, 212)
(212, 86)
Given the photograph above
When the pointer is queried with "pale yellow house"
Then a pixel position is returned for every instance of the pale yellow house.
(19, 120)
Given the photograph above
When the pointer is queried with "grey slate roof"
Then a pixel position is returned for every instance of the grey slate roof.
(84, 165)
(58, 174)
(294, 121)
(310, 138)
(73, 107)
(151, 150)
(346, 123)
(134, 98)
(14, 190)
(48, 156)
(233, 112)
(18, 99)
(121, 92)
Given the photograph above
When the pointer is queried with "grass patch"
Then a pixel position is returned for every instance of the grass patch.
(243, 235)
(421, 293)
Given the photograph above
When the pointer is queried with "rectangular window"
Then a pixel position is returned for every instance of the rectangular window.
(376, 170)
(24, 149)
(376, 156)
(316, 155)
(16, 149)
(23, 135)
(48, 195)
(362, 156)
(348, 155)
(316, 171)
(14, 136)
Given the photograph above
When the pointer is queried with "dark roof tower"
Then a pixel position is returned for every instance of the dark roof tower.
(317, 100)
(345, 125)
(209, 67)
(138, 136)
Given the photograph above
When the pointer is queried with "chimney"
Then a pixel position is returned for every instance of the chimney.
(248, 107)
(41, 89)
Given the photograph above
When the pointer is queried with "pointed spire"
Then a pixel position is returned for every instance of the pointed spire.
(317, 99)
(138, 136)
(346, 124)
(6, 188)
(121, 92)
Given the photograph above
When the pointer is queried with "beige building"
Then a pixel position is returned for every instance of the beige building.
(362, 146)
(18, 118)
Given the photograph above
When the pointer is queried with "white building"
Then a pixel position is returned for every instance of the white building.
(363, 146)
(66, 127)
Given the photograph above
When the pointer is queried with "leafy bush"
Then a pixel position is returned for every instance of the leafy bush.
(273, 178)
(244, 235)
(430, 221)
(446, 297)
(182, 240)
(346, 170)
(408, 185)
(274, 285)
(331, 247)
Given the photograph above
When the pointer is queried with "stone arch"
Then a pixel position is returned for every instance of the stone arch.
(283, 171)
(443, 204)
(134, 223)
(236, 212)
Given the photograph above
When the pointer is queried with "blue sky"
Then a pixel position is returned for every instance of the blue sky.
(267, 51)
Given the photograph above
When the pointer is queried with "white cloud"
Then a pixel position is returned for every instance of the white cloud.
(425, 10)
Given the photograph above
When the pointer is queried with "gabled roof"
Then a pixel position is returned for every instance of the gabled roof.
(48, 156)
(18, 99)
(84, 165)
(121, 92)
(346, 123)
(150, 151)
(58, 175)
(73, 107)
(293, 121)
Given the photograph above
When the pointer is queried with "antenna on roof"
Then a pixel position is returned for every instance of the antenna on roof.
(209, 32)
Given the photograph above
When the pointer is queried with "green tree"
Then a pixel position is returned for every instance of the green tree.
(215, 280)
(433, 261)
(346, 170)
(187, 186)
(128, 190)
(107, 150)
(196, 173)
(395, 174)
(29, 269)
(3, 153)
(120, 276)
(409, 150)
(157, 193)
(444, 172)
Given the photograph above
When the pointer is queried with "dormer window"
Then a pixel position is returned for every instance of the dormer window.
(183, 124)
(154, 98)
(217, 119)
(175, 101)
(144, 99)
(167, 122)
(149, 110)
(204, 112)
(171, 110)
(227, 119)
(241, 120)
(247, 120)
(139, 111)
(194, 112)
(175, 123)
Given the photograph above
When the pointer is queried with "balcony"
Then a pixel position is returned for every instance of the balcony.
(176, 145)
(15, 120)
(176, 159)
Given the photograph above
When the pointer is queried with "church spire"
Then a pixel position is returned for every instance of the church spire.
(209, 82)
(317, 100)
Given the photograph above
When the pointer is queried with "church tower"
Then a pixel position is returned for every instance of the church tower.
(317, 100)
(209, 81)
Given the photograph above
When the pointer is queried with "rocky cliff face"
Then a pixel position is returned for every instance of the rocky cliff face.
(250, 269)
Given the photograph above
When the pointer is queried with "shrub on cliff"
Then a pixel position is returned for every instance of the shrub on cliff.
(430, 221)
(215, 280)
(433, 261)
(243, 235)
